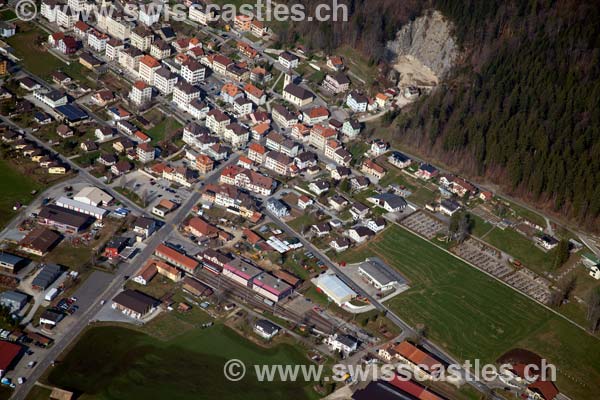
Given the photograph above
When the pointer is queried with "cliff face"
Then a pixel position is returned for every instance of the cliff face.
(424, 50)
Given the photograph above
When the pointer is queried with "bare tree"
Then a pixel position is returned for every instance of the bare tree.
(144, 197)
(123, 182)
(593, 309)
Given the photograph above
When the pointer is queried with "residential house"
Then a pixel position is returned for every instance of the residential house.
(141, 38)
(113, 47)
(340, 244)
(399, 160)
(255, 95)
(236, 134)
(242, 107)
(283, 117)
(315, 115)
(279, 163)
(198, 108)
(140, 94)
(181, 175)
(336, 83)
(145, 153)
(360, 234)
(200, 13)
(297, 95)
(304, 202)
(148, 65)
(319, 187)
(351, 128)
(288, 60)
(388, 201)
(164, 80)
(335, 63)
(160, 49)
(184, 93)
(427, 171)
(260, 75)
(265, 329)
(203, 164)
(373, 169)
(320, 135)
(193, 72)
(217, 121)
(144, 227)
(357, 102)
(121, 167)
(248, 179)
(278, 208)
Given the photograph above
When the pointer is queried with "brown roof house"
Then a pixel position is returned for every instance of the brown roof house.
(134, 304)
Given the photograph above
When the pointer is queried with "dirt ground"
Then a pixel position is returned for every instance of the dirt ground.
(414, 73)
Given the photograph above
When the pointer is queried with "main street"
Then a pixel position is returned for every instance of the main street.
(125, 270)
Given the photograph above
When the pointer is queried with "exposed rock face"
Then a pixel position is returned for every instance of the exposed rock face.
(424, 50)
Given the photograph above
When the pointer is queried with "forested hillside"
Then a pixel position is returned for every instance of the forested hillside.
(524, 108)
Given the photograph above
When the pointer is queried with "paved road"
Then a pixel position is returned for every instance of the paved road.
(379, 306)
(116, 285)
(84, 174)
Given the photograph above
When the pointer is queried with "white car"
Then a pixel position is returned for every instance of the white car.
(21, 380)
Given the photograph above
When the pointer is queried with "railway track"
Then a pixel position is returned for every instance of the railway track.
(223, 286)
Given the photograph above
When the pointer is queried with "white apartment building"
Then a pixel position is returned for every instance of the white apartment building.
(193, 72)
(164, 80)
(184, 93)
(142, 37)
(148, 66)
(140, 93)
(200, 14)
(97, 41)
(66, 17)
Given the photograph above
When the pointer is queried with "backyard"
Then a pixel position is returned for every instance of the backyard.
(37, 59)
(118, 363)
(475, 317)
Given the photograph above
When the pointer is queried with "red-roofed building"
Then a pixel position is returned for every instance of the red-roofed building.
(200, 228)
(203, 164)
(315, 115)
(414, 389)
(8, 355)
(542, 390)
(256, 153)
(252, 237)
(176, 258)
(423, 362)
(146, 273)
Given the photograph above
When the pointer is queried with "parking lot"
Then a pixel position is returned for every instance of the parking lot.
(153, 189)
(423, 224)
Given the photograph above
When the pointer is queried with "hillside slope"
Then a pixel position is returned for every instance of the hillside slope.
(522, 110)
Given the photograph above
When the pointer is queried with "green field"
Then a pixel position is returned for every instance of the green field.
(118, 363)
(14, 187)
(38, 60)
(473, 316)
(521, 248)
(160, 131)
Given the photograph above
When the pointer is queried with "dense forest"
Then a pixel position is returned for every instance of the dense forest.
(522, 110)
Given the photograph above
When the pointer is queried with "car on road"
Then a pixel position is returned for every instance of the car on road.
(21, 380)
(31, 364)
